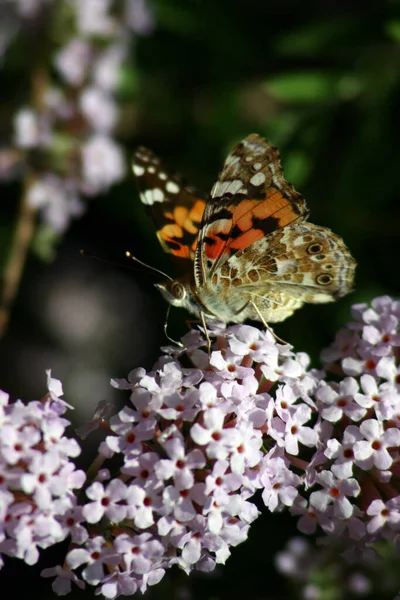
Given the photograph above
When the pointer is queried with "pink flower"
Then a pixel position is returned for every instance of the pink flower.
(280, 484)
(335, 492)
(212, 434)
(374, 448)
(106, 501)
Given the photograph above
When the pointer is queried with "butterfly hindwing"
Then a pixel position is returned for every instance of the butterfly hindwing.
(176, 209)
(249, 200)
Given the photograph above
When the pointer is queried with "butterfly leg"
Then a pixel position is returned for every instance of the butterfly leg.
(278, 339)
(166, 329)
(203, 321)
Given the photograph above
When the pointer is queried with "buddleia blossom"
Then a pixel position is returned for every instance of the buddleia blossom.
(38, 478)
(355, 467)
(179, 464)
(191, 445)
(68, 124)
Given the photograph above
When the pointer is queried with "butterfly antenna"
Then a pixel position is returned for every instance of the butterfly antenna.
(166, 329)
(99, 258)
(140, 262)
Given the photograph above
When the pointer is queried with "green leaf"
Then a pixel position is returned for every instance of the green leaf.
(316, 37)
(302, 87)
(392, 29)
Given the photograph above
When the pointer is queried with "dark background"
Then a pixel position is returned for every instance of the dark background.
(321, 81)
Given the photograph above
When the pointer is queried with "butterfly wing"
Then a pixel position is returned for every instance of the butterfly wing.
(176, 209)
(279, 273)
(249, 200)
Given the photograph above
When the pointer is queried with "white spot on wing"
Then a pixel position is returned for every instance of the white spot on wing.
(235, 187)
(172, 187)
(138, 170)
(151, 169)
(257, 166)
(232, 160)
(254, 147)
(162, 175)
(257, 179)
(228, 187)
(151, 196)
(158, 195)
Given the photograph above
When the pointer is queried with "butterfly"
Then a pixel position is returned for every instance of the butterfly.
(247, 250)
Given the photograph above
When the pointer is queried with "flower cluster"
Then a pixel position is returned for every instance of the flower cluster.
(67, 126)
(355, 467)
(195, 443)
(38, 478)
(191, 444)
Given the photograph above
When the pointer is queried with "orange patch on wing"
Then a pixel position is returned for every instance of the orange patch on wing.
(187, 219)
(180, 215)
(274, 205)
(215, 247)
(182, 252)
(246, 239)
(196, 213)
(169, 234)
(171, 230)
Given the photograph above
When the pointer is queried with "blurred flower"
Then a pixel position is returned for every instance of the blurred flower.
(102, 163)
(56, 199)
(71, 119)
(73, 60)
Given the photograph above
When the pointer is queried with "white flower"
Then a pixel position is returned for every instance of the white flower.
(296, 432)
(106, 501)
(73, 61)
(100, 109)
(27, 128)
(384, 515)
(106, 69)
(338, 400)
(217, 439)
(280, 484)
(94, 18)
(138, 16)
(57, 199)
(102, 164)
(335, 491)
(373, 450)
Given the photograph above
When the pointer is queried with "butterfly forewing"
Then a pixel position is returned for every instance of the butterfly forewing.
(249, 200)
(176, 209)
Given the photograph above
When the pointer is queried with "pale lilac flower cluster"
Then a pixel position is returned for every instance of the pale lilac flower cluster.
(38, 479)
(173, 480)
(191, 445)
(71, 119)
(351, 481)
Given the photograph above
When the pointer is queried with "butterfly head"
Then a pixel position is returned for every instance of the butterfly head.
(179, 294)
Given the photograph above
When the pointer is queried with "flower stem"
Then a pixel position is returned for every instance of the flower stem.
(18, 253)
(26, 219)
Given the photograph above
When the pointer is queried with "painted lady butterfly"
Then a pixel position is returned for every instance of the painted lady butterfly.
(247, 250)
